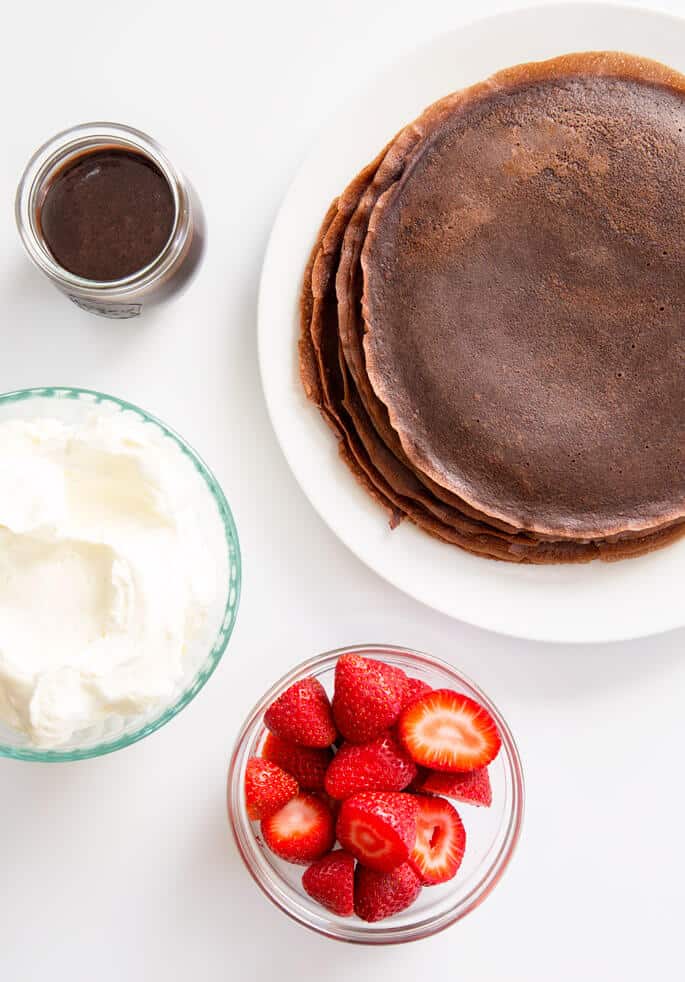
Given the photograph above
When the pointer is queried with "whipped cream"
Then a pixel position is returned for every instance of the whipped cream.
(105, 575)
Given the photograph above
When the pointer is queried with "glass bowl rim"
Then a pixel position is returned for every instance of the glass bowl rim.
(234, 580)
(354, 931)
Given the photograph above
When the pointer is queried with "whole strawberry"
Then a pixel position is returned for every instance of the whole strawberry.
(378, 828)
(381, 765)
(267, 788)
(303, 830)
(368, 697)
(303, 715)
(330, 881)
(379, 895)
(307, 765)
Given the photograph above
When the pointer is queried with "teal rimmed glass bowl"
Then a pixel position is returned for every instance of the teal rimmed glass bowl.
(116, 732)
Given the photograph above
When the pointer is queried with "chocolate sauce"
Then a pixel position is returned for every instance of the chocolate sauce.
(107, 215)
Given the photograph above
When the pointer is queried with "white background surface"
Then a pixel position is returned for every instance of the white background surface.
(123, 868)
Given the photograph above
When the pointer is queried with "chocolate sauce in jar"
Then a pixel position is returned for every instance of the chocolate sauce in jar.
(107, 214)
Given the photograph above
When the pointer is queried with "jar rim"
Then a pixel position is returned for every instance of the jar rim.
(55, 154)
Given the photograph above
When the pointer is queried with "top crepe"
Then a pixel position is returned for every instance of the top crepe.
(524, 302)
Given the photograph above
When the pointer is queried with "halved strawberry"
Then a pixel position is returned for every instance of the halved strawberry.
(381, 765)
(303, 830)
(440, 840)
(307, 765)
(330, 881)
(448, 731)
(368, 697)
(472, 787)
(378, 828)
(303, 715)
(379, 895)
(413, 690)
(267, 788)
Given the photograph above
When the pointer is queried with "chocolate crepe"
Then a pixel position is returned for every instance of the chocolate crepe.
(334, 368)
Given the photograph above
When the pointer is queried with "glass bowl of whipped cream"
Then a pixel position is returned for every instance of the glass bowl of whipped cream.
(119, 574)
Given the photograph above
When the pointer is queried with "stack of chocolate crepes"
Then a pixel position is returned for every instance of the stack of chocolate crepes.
(493, 315)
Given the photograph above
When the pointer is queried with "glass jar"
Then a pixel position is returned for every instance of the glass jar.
(162, 278)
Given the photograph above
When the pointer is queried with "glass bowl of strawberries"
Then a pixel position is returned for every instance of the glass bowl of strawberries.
(375, 794)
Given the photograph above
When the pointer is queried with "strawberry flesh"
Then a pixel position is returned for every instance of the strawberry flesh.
(378, 828)
(448, 731)
(368, 697)
(440, 840)
(303, 715)
(302, 831)
(472, 787)
(308, 765)
(380, 895)
(330, 881)
(267, 788)
(381, 765)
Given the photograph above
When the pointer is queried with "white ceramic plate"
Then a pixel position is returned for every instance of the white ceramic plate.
(595, 602)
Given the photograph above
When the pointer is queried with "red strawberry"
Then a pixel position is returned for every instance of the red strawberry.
(368, 697)
(415, 785)
(301, 831)
(303, 714)
(333, 803)
(472, 787)
(378, 828)
(448, 731)
(378, 895)
(381, 765)
(330, 881)
(440, 840)
(306, 764)
(267, 788)
(413, 690)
